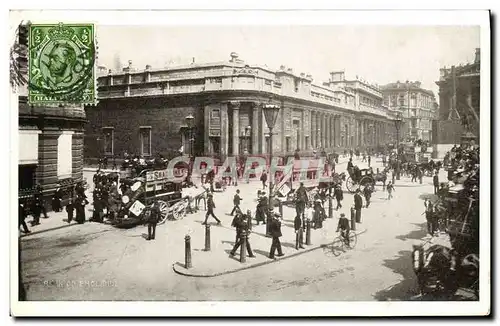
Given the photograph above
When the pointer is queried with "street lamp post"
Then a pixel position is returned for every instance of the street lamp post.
(398, 122)
(271, 112)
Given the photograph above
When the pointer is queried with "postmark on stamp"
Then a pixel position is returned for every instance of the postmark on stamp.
(62, 64)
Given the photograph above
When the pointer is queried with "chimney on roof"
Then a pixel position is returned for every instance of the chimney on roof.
(337, 76)
(290, 70)
(302, 74)
(148, 67)
(234, 57)
(477, 57)
(109, 72)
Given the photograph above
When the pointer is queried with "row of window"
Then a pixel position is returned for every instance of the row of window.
(144, 140)
(370, 102)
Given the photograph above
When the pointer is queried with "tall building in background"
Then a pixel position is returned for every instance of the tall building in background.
(416, 105)
(459, 103)
(50, 137)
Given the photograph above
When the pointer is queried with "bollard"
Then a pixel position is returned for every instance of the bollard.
(377, 170)
(353, 219)
(249, 219)
(308, 232)
(268, 223)
(301, 236)
(207, 237)
(330, 207)
(281, 209)
(187, 242)
(243, 247)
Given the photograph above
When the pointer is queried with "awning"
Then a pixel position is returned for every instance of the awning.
(28, 146)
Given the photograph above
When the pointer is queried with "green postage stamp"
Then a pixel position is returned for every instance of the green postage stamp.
(62, 64)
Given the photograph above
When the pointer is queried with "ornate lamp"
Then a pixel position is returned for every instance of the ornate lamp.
(271, 112)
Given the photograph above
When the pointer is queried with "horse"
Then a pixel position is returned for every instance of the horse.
(381, 176)
(335, 179)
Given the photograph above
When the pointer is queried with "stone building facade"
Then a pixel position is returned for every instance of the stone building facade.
(143, 111)
(459, 101)
(417, 106)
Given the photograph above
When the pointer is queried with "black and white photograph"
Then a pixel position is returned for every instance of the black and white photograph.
(180, 161)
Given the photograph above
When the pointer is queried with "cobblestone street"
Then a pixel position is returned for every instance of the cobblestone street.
(98, 262)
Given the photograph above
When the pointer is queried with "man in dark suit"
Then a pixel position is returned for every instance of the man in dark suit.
(435, 181)
(275, 230)
(339, 196)
(241, 224)
(358, 205)
(210, 209)
(22, 217)
(301, 200)
(152, 216)
(236, 202)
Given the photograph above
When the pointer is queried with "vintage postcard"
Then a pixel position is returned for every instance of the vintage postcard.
(250, 163)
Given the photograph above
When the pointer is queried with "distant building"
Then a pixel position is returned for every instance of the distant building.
(459, 102)
(416, 105)
(50, 140)
(142, 111)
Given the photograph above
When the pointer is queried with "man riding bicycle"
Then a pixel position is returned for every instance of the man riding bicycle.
(344, 228)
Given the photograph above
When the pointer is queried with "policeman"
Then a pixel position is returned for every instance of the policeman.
(240, 222)
(152, 216)
(275, 230)
(98, 207)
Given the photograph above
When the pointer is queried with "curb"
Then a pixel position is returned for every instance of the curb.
(183, 272)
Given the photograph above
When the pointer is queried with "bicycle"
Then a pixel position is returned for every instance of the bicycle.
(340, 245)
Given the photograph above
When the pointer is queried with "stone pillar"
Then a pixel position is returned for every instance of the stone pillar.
(282, 130)
(318, 130)
(46, 173)
(363, 136)
(77, 156)
(224, 128)
(313, 129)
(206, 130)
(302, 131)
(263, 131)
(255, 128)
(235, 106)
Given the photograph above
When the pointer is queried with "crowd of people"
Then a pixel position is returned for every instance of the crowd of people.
(34, 205)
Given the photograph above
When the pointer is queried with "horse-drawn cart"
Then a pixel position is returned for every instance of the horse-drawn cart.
(359, 178)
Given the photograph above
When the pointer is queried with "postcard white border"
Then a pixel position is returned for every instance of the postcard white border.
(417, 18)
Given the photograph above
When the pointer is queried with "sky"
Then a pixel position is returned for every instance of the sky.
(378, 54)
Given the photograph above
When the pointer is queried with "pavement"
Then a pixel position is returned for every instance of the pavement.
(61, 263)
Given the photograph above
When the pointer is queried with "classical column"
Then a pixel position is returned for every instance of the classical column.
(324, 130)
(302, 131)
(313, 129)
(235, 106)
(206, 130)
(330, 130)
(224, 126)
(255, 128)
(263, 131)
(318, 130)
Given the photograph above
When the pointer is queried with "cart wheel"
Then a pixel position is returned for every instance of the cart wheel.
(163, 210)
(350, 185)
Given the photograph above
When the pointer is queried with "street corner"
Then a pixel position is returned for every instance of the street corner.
(220, 262)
